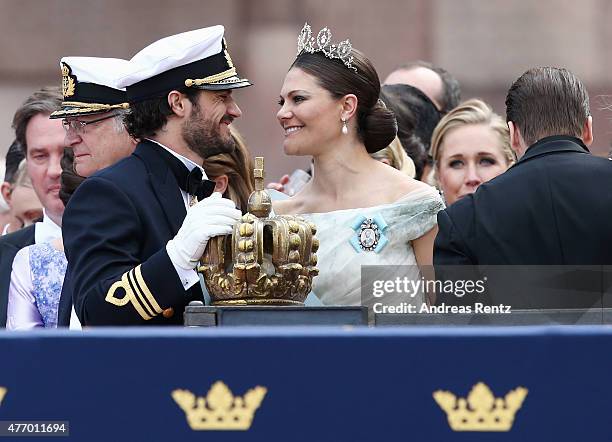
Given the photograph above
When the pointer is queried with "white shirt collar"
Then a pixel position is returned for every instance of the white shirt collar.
(46, 230)
(186, 161)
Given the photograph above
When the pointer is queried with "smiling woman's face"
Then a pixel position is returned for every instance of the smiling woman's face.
(309, 115)
(470, 155)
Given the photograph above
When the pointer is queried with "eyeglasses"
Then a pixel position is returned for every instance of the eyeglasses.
(78, 126)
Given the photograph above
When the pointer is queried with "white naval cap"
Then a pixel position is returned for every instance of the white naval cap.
(196, 59)
(89, 86)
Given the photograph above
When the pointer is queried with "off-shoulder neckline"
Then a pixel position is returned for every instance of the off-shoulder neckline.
(414, 194)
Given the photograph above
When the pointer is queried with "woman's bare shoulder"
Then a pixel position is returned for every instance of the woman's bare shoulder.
(399, 184)
(286, 207)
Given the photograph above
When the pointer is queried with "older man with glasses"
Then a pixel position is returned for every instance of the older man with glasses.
(92, 115)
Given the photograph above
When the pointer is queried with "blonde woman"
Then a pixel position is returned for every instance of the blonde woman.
(470, 146)
(395, 156)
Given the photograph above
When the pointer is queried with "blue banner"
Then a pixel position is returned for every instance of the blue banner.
(311, 384)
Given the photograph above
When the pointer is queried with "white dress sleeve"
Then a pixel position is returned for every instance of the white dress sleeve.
(22, 312)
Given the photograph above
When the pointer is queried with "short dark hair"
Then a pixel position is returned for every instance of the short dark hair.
(376, 125)
(69, 178)
(417, 117)
(451, 89)
(547, 101)
(146, 117)
(43, 101)
(14, 156)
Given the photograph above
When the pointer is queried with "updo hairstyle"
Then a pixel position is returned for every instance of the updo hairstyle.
(376, 125)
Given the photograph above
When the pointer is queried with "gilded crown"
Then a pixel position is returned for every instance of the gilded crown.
(482, 411)
(266, 261)
(307, 43)
(2, 394)
(220, 409)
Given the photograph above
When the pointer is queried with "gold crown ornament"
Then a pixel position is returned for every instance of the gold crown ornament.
(220, 409)
(266, 261)
(482, 411)
(2, 394)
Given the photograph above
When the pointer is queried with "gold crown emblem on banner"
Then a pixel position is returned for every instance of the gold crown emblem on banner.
(2, 393)
(68, 84)
(266, 260)
(220, 409)
(482, 411)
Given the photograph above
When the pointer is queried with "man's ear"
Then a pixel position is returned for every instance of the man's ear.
(222, 181)
(5, 189)
(349, 106)
(516, 139)
(587, 131)
(177, 103)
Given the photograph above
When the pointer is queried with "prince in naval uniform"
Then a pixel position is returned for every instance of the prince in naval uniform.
(134, 232)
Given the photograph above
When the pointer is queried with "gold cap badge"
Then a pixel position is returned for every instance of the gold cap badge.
(68, 81)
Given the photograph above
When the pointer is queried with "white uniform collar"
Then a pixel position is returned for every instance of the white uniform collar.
(46, 230)
(186, 161)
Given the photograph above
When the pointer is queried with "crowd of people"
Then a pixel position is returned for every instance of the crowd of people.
(117, 180)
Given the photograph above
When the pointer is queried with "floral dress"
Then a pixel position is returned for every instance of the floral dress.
(36, 286)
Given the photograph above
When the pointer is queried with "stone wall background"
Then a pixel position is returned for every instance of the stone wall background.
(486, 44)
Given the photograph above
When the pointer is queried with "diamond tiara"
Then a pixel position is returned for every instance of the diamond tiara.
(341, 51)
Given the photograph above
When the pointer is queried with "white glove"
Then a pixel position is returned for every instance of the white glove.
(210, 217)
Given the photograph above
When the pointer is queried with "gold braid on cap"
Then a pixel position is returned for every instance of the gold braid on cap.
(90, 107)
(307, 43)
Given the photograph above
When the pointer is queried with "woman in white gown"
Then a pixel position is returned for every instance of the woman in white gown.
(366, 212)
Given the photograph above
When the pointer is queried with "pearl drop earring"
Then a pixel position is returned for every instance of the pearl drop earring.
(344, 126)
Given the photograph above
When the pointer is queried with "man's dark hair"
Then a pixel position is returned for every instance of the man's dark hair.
(146, 117)
(451, 89)
(547, 101)
(43, 101)
(417, 117)
(14, 156)
(69, 179)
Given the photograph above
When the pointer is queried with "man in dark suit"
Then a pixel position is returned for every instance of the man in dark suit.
(552, 207)
(43, 143)
(92, 113)
(134, 232)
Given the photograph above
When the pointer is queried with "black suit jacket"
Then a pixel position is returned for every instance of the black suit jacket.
(64, 309)
(115, 230)
(553, 207)
(9, 246)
